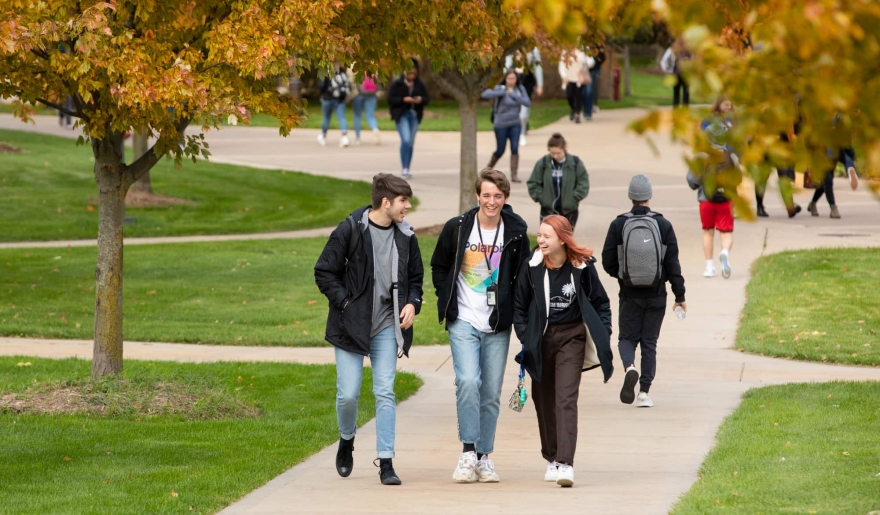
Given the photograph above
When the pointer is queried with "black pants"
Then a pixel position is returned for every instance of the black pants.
(572, 217)
(827, 188)
(574, 97)
(556, 396)
(680, 92)
(640, 321)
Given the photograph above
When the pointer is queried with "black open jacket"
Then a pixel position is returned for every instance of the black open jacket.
(449, 253)
(348, 284)
(396, 93)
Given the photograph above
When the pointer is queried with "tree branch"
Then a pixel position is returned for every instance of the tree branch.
(41, 54)
(146, 162)
(53, 105)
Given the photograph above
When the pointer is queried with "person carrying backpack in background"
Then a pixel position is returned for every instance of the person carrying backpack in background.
(559, 181)
(371, 272)
(716, 209)
(641, 252)
(365, 102)
(334, 90)
(507, 99)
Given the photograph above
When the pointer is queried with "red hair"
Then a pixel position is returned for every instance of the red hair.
(576, 254)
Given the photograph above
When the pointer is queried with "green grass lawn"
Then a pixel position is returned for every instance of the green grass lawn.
(797, 448)
(234, 293)
(816, 305)
(73, 463)
(50, 194)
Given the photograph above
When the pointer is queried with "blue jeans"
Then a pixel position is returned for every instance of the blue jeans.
(479, 360)
(587, 92)
(507, 133)
(327, 108)
(367, 105)
(407, 126)
(349, 374)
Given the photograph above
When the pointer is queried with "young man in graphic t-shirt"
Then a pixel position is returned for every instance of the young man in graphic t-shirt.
(474, 267)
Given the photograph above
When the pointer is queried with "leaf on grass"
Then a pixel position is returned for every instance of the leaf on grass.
(90, 208)
(67, 458)
(173, 493)
(151, 292)
(311, 302)
(24, 364)
(305, 332)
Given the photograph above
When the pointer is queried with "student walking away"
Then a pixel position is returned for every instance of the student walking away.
(641, 252)
(559, 181)
(474, 268)
(531, 76)
(716, 209)
(847, 156)
(573, 67)
(371, 272)
(334, 90)
(507, 99)
(671, 64)
(407, 98)
(562, 316)
(590, 83)
(365, 102)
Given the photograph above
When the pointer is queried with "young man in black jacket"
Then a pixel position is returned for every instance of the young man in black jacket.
(407, 98)
(371, 272)
(474, 268)
(642, 308)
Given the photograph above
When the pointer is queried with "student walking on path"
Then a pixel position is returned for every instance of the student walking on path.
(371, 272)
(334, 93)
(847, 156)
(590, 87)
(365, 102)
(671, 64)
(559, 181)
(407, 98)
(474, 270)
(574, 69)
(531, 76)
(716, 209)
(507, 100)
(641, 252)
(562, 316)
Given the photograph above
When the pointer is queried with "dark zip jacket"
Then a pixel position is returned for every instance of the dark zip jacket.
(399, 90)
(449, 253)
(348, 284)
(531, 310)
(671, 267)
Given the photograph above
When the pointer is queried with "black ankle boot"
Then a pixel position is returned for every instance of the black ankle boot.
(761, 212)
(344, 459)
(386, 472)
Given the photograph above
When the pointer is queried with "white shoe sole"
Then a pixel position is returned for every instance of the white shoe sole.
(853, 180)
(565, 482)
(725, 266)
(707, 273)
(461, 478)
(495, 479)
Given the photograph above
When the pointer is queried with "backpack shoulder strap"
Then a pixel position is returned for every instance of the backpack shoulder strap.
(628, 214)
(353, 238)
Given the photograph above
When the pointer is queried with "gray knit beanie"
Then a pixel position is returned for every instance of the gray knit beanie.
(640, 188)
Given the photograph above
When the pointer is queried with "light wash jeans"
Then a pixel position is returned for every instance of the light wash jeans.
(349, 374)
(327, 108)
(367, 105)
(407, 126)
(479, 360)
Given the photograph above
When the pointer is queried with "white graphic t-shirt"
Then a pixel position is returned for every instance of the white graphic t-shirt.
(479, 269)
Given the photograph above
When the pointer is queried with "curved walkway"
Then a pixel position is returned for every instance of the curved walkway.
(630, 461)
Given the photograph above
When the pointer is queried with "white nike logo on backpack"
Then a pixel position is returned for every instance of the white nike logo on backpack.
(646, 241)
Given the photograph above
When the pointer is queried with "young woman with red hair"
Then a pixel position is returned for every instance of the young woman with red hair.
(562, 316)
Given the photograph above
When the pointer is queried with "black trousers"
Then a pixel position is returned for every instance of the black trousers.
(785, 174)
(572, 217)
(574, 97)
(680, 92)
(827, 188)
(639, 324)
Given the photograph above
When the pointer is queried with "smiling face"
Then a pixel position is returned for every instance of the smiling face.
(548, 241)
(396, 210)
(726, 106)
(491, 200)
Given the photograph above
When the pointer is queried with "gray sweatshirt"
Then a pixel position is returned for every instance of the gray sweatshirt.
(508, 107)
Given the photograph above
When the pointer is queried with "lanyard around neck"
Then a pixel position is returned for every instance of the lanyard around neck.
(492, 251)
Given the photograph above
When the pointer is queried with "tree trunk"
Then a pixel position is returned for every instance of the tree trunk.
(467, 109)
(112, 186)
(141, 144)
(626, 67)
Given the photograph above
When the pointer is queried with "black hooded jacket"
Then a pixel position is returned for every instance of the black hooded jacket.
(348, 283)
(449, 253)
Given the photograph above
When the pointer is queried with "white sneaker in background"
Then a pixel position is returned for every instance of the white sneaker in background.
(406, 173)
(595, 108)
(322, 140)
(522, 140)
(853, 177)
(343, 141)
(566, 475)
(466, 470)
(725, 264)
(486, 471)
(357, 142)
(643, 401)
(710, 271)
(552, 473)
(378, 136)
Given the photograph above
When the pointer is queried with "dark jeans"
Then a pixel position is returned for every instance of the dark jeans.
(572, 217)
(574, 97)
(786, 178)
(504, 134)
(680, 92)
(556, 396)
(640, 321)
(827, 188)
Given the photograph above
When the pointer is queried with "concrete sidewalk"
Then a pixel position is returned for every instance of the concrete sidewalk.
(629, 461)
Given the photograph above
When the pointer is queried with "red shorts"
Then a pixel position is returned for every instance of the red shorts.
(716, 215)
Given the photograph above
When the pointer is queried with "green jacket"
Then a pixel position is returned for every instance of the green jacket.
(575, 183)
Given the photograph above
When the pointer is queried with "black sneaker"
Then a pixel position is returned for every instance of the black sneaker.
(762, 212)
(797, 209)
(628, 392)
(344, 459)
(386, 472)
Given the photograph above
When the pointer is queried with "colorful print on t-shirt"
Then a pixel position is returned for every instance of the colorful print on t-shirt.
(478, 256)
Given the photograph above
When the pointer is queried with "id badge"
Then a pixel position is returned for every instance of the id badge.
(492, 295)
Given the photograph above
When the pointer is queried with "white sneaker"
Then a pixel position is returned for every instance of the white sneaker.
(595, 108)
(552, 473)
(725, 264)
(643, 401)
(853, 178)
(710, 271)
(343, 141)
(522, 140)
(466, 471)
(322, 140)
(566, 475)
(378, 137)
(406, 173)
(486, 471)
(357, 142)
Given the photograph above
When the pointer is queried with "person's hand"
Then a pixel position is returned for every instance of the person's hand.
(539, 91)
(407, 100)
(683, 305)
(417, 100)
(407, 316)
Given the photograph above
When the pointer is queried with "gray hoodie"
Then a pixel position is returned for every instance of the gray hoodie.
(508, 106)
